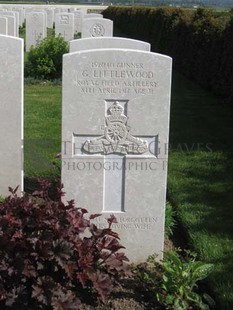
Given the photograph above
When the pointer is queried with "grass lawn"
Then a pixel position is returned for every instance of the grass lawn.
(42, 129)
(200, 180)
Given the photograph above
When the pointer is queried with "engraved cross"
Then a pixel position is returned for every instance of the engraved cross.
(36, 35)
(116, 145)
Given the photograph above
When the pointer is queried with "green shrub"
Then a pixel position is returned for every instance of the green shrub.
(173, 282)
(179, 282)
(45, 60)
(199, 41)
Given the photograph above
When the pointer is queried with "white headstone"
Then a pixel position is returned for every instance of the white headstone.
(36, 10)
(21, 15)
(78, 16)
(115, 124)
(11, 113)
(93, 15)
(97, 27)
(3, 25)
(11, 25)
(107, 42)
(12, 32)
(84, 10)
(50, 18)
(72, 10)
(57, 11)
(64, 25)
(35, 29)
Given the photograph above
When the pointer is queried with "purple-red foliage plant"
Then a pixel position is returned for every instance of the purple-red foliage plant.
(52, 255)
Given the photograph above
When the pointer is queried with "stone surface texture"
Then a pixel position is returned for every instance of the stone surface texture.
(64, 25)
(115, 124)
(35, 28)
(97, 27)
(3, 25)
(11, 113)
(11, 25)
(13, 29)
(107, 42)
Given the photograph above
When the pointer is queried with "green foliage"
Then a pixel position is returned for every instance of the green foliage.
(170, 222)
(199, 41)
(174, 282)
(179, 282)
(22, 31)
(45, 60)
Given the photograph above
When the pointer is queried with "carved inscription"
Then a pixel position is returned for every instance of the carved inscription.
(64, 20)
(97, 30)
(116, 78)
(128, 223)
(35, 18)
(117, 137)
(37, 36)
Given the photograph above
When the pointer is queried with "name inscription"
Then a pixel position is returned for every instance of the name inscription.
(116, 78)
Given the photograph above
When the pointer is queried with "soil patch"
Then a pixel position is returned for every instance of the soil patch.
(129, 294)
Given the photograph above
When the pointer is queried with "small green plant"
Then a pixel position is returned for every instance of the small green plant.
(179, 282)
(170, 222)
(45, 60)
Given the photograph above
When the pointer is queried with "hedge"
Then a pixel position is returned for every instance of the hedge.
(199, 41)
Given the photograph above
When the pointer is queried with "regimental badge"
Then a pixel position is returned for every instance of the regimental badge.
(117, 137)
(97, 30)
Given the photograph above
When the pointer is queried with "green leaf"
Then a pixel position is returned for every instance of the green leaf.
(173, 257)
(194, 297)
(169, 299)
(209, 300)
(203, 271)
(180, 304)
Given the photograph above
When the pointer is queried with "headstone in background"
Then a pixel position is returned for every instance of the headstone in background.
(84, 10)
(16, 16)
(115, 124)
(64, 25)
(35, 29)
(72, 10)
(11, 114)
(21, 15)
(35, 10)
(3, 25)
(78, 17)
(11, 24)
(50, 18)
(93, 15)
(107, 42)
(97, 27)
(57, 11)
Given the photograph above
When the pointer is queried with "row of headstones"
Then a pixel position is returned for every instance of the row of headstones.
(67, 24)
(115, 123)
(10, 22)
